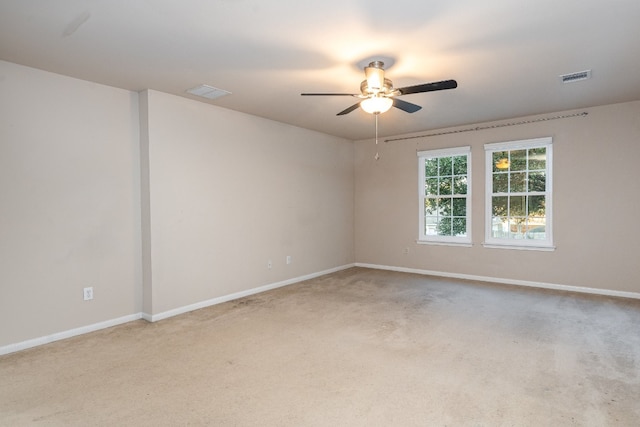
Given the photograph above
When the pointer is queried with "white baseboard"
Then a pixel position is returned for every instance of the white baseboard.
(230, 297)
(12, 348)
(543, 285)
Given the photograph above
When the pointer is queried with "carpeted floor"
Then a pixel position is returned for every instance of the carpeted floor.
(356, 348)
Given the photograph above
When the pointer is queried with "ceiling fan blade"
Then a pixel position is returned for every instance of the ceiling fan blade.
(405, 106)
(328, 94)
(428, 87)
(348, 110)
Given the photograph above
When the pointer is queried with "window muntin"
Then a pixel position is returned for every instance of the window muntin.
(445, 195)
(518, 194)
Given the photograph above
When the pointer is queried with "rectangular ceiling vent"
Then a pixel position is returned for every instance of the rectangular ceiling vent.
(208, 92)
(576, 77)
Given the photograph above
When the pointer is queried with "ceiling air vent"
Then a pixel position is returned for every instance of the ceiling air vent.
(575, 77)
(208, 92)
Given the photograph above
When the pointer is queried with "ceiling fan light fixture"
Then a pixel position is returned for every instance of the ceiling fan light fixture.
(378, 94)
(376, 104)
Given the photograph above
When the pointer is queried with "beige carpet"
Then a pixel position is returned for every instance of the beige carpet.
(357, 348)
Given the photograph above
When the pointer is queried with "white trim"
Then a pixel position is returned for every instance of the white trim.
(241, 294)
(515, 145)
(436, 243)
(527, 283)
(444, 152)
(519, 247)
(501, 243)
(12, 348)
(444, 240)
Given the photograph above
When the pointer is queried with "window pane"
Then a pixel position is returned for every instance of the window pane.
(430, 206)
(518, 182)
(500, 182)
(517, 206)
(431, 167)
(537, 181)
(444, 206)
(499, 227)
(499, 206)
(519, 190)
(444, 195)
(431, 187)
(537, 206)
(446, 185)
(517, 227)
(460, 165)
(446, 166)
(518, 160)
(430, 225)
(459, 226)
(444, 227)
(537, 233)
(537, 158)
(459, 206)
(460, 184)
(500, 161)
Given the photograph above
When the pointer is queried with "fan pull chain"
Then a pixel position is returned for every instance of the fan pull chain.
(377, 156)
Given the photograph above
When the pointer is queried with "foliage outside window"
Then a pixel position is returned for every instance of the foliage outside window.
(518, 194)
(445, 196)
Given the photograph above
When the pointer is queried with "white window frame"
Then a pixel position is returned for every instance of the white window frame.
(530, 244)
(424, 238)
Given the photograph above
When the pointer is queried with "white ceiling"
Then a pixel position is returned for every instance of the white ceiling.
(505, 54)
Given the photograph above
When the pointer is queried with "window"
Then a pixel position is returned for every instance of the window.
(518, 194)
(445, 196)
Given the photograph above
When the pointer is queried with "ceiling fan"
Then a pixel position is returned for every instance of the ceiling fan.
(378, 94)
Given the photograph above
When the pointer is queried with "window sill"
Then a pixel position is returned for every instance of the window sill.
(519, 247)
(434, 243)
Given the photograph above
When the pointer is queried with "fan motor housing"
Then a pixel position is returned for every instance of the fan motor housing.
(388, 88)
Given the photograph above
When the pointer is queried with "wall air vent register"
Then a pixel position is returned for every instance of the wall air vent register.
(575, 77)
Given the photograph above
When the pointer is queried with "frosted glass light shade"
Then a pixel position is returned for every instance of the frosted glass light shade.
(376, 105)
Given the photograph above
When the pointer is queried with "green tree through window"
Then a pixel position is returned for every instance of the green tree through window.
(519, 193)
(444, 195)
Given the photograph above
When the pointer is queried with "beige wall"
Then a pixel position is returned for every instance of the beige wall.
(596, 204)
(69, 203)
(229, 191)
(224, 192)
(156, 201)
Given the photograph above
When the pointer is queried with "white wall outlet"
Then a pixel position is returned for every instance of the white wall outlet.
(288, 259)
(269, 264)
(88, 293)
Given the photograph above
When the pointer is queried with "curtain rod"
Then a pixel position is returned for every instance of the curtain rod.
(523, 122)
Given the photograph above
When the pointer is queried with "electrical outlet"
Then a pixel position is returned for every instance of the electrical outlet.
(406, 251)
(269, 264)
(88, 293)
(288, 259)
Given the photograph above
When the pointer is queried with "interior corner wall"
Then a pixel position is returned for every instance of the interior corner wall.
(230, 192)
(595, 204)
(145, 204)
(69, 210)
